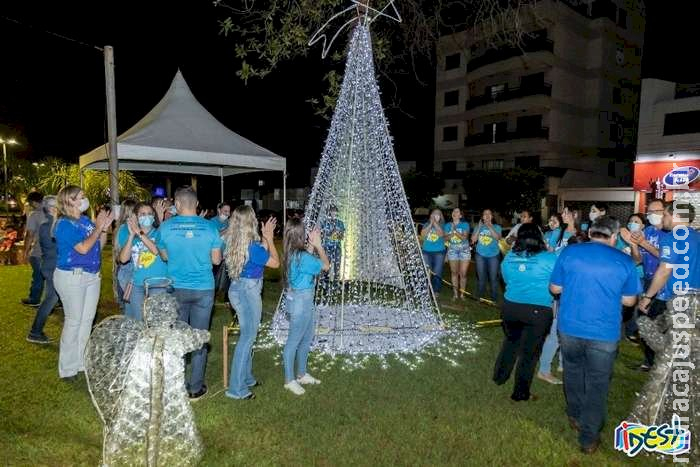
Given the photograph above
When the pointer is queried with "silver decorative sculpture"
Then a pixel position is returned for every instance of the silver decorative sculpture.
(676, 370)
(135, 374)
(377, 298)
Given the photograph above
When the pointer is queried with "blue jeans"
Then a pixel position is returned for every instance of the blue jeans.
(134, 308)
(301, 310)
(245, 298)
(195, 310)
(37, 285)
(588, 368)
(487, 268)
(125, 273)
(549, 349)
(46, 307)
(435, 260)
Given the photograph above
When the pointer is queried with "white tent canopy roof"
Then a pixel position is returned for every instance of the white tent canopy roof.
(180, 136)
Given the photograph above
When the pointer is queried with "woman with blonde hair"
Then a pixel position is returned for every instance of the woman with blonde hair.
(246, 258)
(77, 276)
(433, 247)
(125, 269)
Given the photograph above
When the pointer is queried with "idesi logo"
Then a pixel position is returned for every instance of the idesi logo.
(633, 438)
(681, 177)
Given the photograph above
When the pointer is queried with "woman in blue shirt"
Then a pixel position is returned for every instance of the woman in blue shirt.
(433, 246)
(558, 234)
(527, 309)
(486, 236)
(77, 274)
(138, 247)
(458, 252)
(299, 273)
(125, 269)
(246, 259)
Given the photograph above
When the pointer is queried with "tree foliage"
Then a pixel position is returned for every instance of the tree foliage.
(421, 188)
(267, 33)
(505, 191)
(55, 174)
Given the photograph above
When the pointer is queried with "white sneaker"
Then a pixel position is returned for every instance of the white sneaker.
(308, 379)
(295, 387)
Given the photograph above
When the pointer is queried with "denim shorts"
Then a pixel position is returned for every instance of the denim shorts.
(459, 254)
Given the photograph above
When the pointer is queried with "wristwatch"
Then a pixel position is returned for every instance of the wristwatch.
(644, 295)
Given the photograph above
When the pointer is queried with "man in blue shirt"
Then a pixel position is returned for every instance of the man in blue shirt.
(679, 255)
(220, 221)
(593, 279)
(190, 245)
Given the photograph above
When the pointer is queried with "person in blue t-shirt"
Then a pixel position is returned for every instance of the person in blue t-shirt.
(527, 309)
(433, 246)
(648, 243)
(299, 271)
(79, 244)
(593, 279)
(679, 255)
(48, 265)
(220, 221)
(558, 235)
(138, 246)
(332, 232)
(125, 271)
(190, 245)
(458, 252)
(486, 236)
(246, 259)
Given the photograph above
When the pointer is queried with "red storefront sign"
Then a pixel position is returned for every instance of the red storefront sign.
(674, 175)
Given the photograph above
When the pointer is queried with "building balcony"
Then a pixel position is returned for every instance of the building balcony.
(509, 94)
(490, 138)
(534, 44)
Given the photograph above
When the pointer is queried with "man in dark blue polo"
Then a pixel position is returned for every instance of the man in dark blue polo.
(593, 279)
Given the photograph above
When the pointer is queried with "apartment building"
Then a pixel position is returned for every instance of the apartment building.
(565, 101)
(668, 149)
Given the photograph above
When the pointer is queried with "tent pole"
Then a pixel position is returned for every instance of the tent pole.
(221, 175)
(284, 198)
(112, 152)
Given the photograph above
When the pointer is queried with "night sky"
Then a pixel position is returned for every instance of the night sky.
(52, 90)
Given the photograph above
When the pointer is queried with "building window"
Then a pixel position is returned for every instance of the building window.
(617, 96)
(622, 18)
(533, 81)
(529, 123)
(495, 90)
(496, 132)
(449, 167)
(527, 162)
(449, 133)
(453, 61)
(682, 123)
(616, 132)
(494, 164)
(452, 98)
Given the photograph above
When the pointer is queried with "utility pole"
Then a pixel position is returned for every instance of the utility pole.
(112, 154)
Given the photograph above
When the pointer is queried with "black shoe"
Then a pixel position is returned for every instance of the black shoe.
(256, 385)
(70, 379)
(199, 394)
(591, 448)
(249, 397)
(25, 301)
(41, 339)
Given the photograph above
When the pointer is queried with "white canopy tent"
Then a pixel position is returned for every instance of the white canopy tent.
(180, 136)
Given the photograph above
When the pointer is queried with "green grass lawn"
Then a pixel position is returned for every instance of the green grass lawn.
(438, 414)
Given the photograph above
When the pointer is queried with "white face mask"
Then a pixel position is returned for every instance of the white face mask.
(593, 216)
(173, 210)
(84, 205)
(655, 219)
(223, 217)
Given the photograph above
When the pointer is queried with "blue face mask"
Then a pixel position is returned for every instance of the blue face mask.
(584, 227)
(146, 221)
(634, 227)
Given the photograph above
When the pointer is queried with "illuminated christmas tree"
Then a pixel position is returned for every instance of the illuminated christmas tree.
(377, 297)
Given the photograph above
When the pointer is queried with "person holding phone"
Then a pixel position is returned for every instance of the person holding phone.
(486, 236)
(433, 245)
(79, 244)
(458, 252)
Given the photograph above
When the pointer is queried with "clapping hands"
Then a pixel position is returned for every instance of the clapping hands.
(103, 221)
(268, 228)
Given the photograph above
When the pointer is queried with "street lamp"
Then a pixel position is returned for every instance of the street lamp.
(4, 143)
